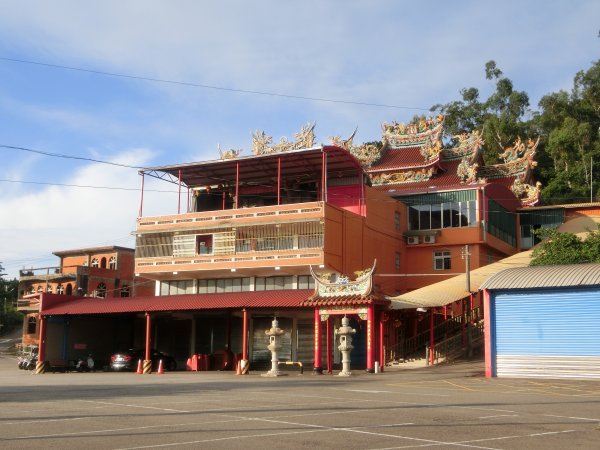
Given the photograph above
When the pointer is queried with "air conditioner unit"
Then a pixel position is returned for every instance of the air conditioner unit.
(413, 240)
(429, 239)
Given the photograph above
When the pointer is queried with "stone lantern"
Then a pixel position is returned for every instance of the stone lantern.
(345, 333)
(274, 346)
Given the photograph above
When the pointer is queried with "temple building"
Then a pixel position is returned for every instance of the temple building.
(309, 234)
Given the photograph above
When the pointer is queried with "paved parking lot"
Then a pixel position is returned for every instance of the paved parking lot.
(444, 407)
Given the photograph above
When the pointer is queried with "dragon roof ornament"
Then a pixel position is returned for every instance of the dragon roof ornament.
(468, 172)
(408, 176)
(413, 134)
(469, 144)
(262, 144)
(229, 153)
(342, 285)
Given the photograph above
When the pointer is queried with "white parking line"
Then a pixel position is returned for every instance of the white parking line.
(135, 406)
(499, 415)
(574, 418)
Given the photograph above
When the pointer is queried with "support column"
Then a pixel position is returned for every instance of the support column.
(381, 342)
(318, 366)
(370, 339)
(142, 197)
(279, 180)
(147, 367)
(179, 194)
(431, 336)
(237, 184)
(245, 335)
(488, 336)
(40, 366)
(329, 347)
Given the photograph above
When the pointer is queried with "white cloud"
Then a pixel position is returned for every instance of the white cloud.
(61, 218)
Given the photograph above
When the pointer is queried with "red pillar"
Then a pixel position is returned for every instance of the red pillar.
(431, 336)
(148, 334)
(179, 194)
(142, 196)
(245, 335)
(42, 346)
(318, 366)
(279, 181)
(329, 347)
(381, 342)
(237, 184)
(487, 335)
(370, 339)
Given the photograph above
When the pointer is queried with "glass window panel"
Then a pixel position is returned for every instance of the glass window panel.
(455, 213)
(413, 218)
(259, 284)
(220, 286)
(436, 216)
(472, 213)
(424, 217)
(164, 288)
(446, 215)
(245, 284)
(289, 282)
(202, 286)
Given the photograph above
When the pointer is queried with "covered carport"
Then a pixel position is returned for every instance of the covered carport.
(181, 325)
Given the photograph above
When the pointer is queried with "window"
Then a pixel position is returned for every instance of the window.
(60, 289)
(306, 282)
(31, 325)
(95, 262)
(103, 263)
(39, 289)
(69, 290)
(124, 291)
(397, 261)
(223, 285)
(177, 287)
(274, 283)
(441, 260)
(112, 263)
(101, 290)
(204, 244)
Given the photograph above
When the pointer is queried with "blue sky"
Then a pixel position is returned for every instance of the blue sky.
(408, 54)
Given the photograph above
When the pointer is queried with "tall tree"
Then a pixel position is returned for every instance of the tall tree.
(570, 121)
(501, 117)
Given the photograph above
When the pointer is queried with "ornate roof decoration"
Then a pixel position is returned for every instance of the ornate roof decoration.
(409, 176)
(362, 285)
(416, 133)
(229, 153)
(519, 150)
(346, 144)
(262, 144)
(469, 144)
(431, 149)
(367, 154)
(467, 172)
(527, 193)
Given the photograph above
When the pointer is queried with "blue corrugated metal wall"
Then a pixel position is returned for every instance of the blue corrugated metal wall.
(551, 333)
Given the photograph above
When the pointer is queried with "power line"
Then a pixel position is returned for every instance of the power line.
(60, 155)
(208, 86)
(114, 188)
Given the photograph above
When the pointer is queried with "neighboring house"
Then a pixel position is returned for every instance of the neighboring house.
(543, 322)
(101, 272)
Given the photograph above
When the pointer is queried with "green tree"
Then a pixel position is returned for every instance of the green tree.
(570, 123)
(9, 317)
(501, 117)
(565, 248)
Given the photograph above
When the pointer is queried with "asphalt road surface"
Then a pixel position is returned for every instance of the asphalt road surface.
(444, 407)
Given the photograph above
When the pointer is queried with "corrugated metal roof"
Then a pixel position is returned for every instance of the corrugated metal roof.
(545, 277)
(455, 288)
(63, 305)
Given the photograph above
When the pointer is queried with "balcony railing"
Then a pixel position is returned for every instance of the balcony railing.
(240, 215)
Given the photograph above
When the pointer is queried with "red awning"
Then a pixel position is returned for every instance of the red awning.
(59, 305)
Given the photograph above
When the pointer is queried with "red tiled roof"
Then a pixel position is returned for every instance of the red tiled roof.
(344, 300)
(399, 158)
(63, 305)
